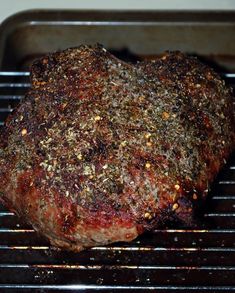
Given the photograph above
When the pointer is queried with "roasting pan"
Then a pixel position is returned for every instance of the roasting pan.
(167, 260)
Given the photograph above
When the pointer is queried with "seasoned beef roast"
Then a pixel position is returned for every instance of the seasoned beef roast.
(100, 150)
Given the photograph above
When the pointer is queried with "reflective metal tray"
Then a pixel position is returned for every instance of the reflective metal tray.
(167, 260)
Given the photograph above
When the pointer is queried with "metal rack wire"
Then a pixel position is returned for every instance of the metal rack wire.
(171, 260)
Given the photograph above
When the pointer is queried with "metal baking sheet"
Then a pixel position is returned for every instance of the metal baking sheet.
(30, 34)
(168, 260)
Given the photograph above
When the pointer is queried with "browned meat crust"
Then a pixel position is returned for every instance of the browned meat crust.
(100, 150)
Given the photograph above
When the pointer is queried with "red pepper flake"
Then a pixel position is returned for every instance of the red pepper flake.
(148, 216)
(97, 118)
(147, 165)
(177, 187)
(165, 115)
(194, 196)
(23, 132)
(175, 206)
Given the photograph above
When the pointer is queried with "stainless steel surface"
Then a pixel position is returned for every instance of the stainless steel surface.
(28, 35)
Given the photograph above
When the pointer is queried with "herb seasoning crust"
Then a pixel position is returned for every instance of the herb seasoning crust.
(100, 150)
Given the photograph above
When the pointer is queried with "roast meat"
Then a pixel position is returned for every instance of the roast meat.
(100, 151)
